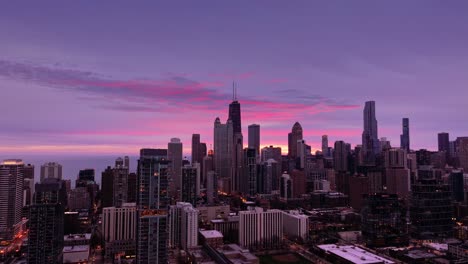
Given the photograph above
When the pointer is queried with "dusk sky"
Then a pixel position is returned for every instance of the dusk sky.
(105, 77)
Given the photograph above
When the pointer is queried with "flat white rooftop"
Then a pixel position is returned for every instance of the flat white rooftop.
(211, 234)
(75, 249)
(354, 254)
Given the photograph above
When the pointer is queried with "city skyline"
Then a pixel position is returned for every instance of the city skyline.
(114, 86)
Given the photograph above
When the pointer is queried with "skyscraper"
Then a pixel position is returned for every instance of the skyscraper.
(325, 146)
(190, 183)
(248, 182)
(254, 138)
(235, 114)
(443, 142)
(293, 137)
(340, 156)
(223, 149)
(370, 140)
(46, 222)
(271, 153)
(405, 137)
(196, 148)
(11, 196)
(174, 154)
(183, 225)
(51, 170)
(115, 185)
(152, 204)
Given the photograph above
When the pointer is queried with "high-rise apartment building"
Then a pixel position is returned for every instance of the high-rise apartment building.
(260, 229)
(405, 136)
(190, 183)
(51, 170)
(248, 181)
(254, 138)
(175, 155)
(119, 226)
(430, 206)
(183, 226)
(370, 140)
(152, 204)
(46, 222)
(115, 185)
(11, 196)
(384, 221)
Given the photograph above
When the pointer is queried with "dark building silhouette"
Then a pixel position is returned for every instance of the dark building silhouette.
(405, 136)
(46, 222)
(11, 196)
(384, 221)
(295, 135)
(340, 156)
(248, 180)
(457, 185)
(254, 138)
(196, 148)
(85, 177)
(431, 209)
(370, 140)
(190, 184)
(107, 187)
(235, 115)
(443, 142)
(423, 157)
(132, 187)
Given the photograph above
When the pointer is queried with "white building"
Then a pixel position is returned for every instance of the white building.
(295, 224)
(189, 228)
(119, 228)
(183, 225)
(119, 223)
(260, 229)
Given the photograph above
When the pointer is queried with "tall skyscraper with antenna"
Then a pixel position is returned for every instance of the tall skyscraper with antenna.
(370, 140)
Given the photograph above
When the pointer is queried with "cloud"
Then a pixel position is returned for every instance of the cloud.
(172, 94)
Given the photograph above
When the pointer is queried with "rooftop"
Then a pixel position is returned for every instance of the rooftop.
(354, 254)
(211, 234)
(74, 249)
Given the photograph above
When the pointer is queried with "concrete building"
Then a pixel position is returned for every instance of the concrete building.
(228, 226)
(208, 213)
(119, 226)
(260, 229)
(189, 227)
(213, 238)
(51, 170)
(11, 196)
(296, 225)
(350, 254)
(183, 226)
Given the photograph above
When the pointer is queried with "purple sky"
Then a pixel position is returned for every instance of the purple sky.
(94, 77)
